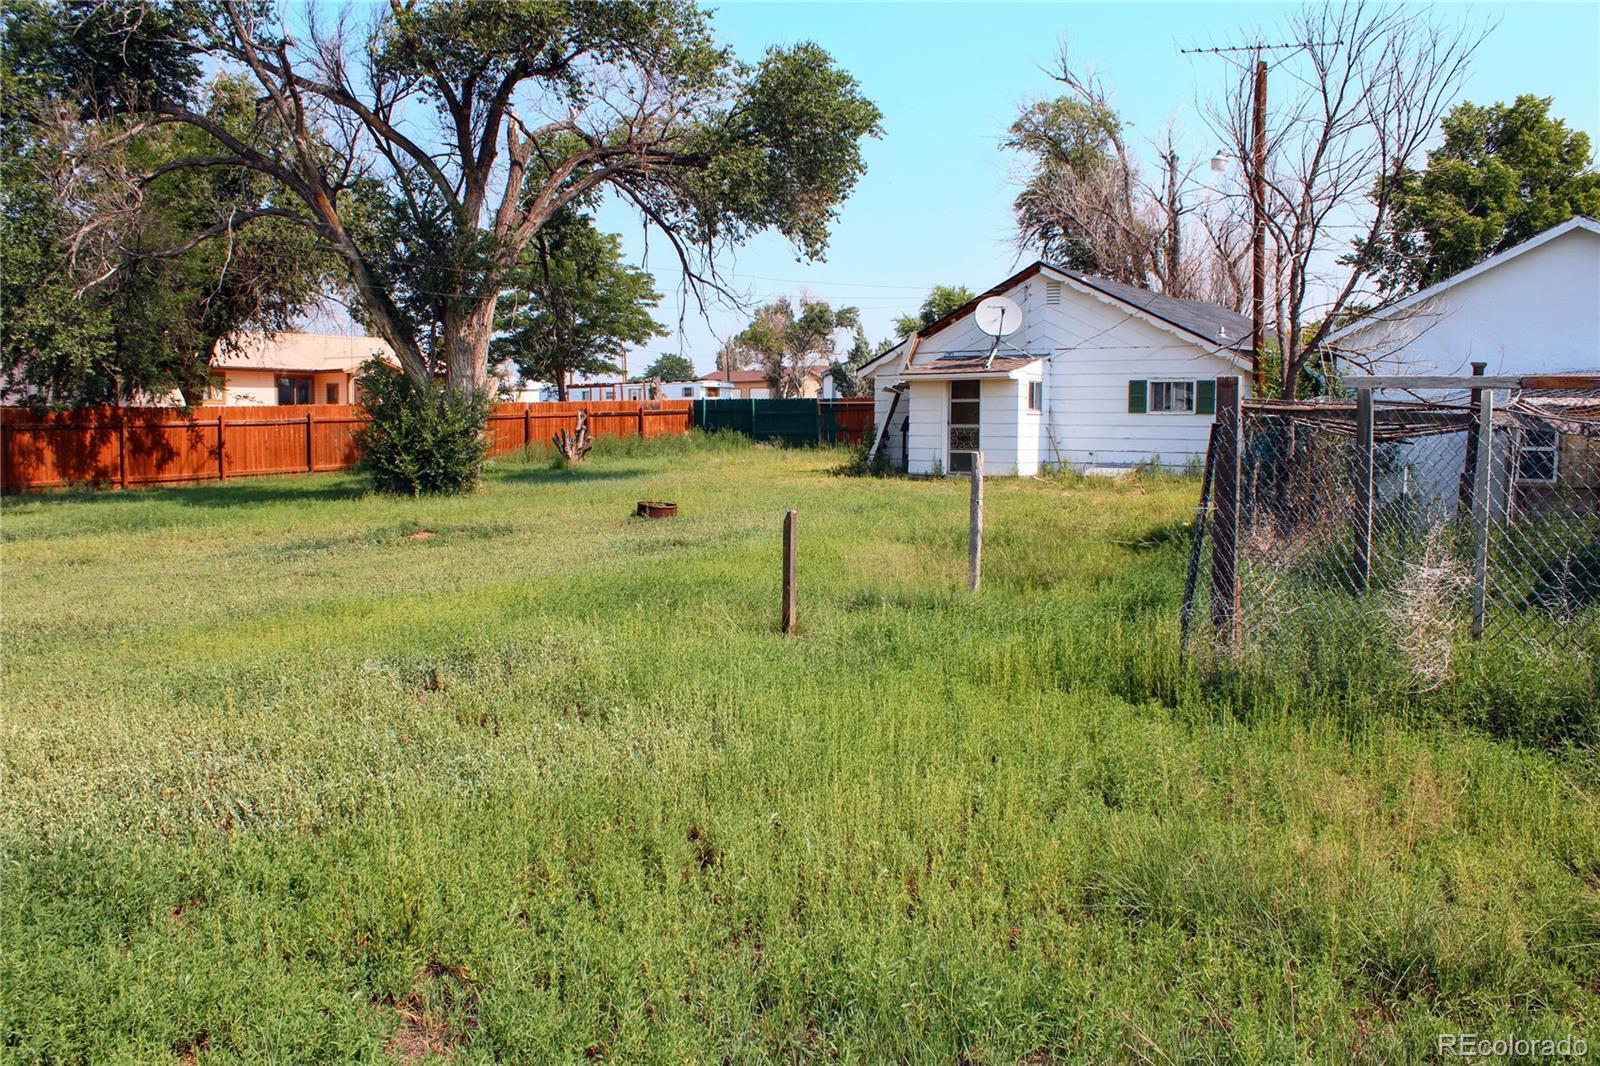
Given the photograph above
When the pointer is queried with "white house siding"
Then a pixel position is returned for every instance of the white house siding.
(1093, 346)
(251, 387)
(1537, 312)
(882, 404)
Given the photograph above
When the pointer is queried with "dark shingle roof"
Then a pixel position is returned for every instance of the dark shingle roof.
(1222, 327)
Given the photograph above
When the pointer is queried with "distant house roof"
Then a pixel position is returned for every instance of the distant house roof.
(759, 377)
(970, 366)
(302, 352)
(1577, 222)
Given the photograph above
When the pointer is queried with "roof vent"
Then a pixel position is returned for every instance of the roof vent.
(1052, 293)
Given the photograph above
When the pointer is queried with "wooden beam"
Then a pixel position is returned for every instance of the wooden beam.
(1227, 478)
(1487, 381)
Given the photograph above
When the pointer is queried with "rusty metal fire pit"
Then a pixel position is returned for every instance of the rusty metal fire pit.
(656, 509)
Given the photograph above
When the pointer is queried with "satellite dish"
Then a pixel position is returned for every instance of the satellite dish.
(998, 316)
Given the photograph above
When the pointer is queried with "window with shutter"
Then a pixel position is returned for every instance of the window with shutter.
(1137, 389)
(1205, 396)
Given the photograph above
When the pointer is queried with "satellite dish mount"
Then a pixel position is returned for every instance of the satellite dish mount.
(998, 317)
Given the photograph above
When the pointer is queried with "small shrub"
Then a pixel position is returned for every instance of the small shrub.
(861, 461)
(419, 437)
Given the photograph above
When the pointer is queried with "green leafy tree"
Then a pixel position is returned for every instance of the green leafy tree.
(786, 340)
(575, 307)
(415, 133)
(941, 300)
(670, 367)
(87, 320)
(1503, 174)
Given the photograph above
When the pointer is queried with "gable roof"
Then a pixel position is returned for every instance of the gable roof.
(1576, 222)
(1213, 322)
(1215, 326)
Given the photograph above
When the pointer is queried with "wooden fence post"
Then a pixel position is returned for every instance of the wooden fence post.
(222, 468)
(1481, 510)
(788, 572)
(641, 420)
(309, 466)
(527, 424)
(1364, 487)
(975, 525)
(1469, 467)
(1225, 538)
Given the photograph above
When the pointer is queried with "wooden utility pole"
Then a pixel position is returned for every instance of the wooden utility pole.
(1258, 237)
(788, 573)
(975, 525)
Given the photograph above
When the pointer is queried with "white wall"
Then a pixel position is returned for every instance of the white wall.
(1093, 347)
(1536, 313)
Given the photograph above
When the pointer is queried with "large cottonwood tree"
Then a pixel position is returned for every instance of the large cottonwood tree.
(456, 131)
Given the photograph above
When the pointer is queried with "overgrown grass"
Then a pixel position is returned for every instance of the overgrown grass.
(300, 774)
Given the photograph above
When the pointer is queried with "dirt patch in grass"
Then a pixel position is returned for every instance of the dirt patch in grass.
(436, 1016)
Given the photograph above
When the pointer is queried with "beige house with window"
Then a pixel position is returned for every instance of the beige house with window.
(262, 369)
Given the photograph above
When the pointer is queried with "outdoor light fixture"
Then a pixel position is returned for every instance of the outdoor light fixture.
(1220, 161)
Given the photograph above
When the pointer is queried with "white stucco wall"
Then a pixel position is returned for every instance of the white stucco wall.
(1534, 313)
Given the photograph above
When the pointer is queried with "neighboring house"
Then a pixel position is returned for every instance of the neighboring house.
(1100, 374)
(291, 368)
(1532, 309)
(753, 384)
(704, 389)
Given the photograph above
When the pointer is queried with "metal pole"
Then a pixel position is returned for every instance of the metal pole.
(1481, 509)
(975, 525)
(1364, 487)
(1258, 237)
(788, 572)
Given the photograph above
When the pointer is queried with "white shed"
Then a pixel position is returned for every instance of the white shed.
(1100, 374)
(1532, 309)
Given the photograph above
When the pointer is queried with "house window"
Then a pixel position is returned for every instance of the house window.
(330, 394)
(688, 390)
(964, 414)
(217, 387)
(1172, 397)
(1539, 457)
(1036, 396)
(293, 390)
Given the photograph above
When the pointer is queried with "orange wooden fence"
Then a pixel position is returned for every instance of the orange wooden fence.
(126, 447)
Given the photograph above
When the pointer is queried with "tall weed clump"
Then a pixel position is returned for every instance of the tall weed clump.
(420, 438)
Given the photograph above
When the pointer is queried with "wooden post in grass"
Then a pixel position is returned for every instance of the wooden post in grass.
(1225, 536)
(975, 526)
(1364, 488)
(788, 572)
(1480, 506)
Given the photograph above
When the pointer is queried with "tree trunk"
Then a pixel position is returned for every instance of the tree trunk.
(466, 346)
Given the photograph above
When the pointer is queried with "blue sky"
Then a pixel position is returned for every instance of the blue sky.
(934, 205)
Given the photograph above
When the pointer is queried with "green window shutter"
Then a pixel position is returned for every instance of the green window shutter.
(1137, 389)
(1205, 396)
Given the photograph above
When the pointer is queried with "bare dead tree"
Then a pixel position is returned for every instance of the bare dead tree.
(1355, 101)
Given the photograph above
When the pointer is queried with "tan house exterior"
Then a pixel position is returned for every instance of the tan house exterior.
(262, 369)
(753, 384)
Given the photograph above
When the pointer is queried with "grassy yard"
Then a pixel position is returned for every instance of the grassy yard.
(298, 774)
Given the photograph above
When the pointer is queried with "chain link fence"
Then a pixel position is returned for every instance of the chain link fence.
(1406, 524)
